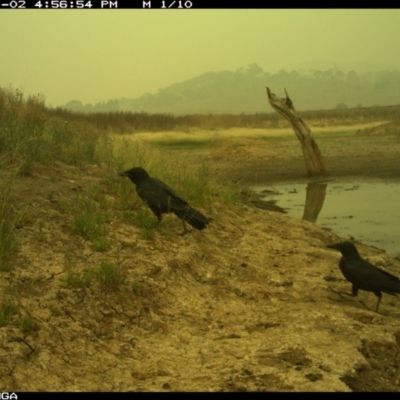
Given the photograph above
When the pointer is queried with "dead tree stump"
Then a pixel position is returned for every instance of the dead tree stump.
(311, 152)
(314, 201)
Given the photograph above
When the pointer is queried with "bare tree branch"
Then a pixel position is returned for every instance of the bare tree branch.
(311, 153)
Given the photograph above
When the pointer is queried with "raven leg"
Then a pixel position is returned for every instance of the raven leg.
(184, 228)
(379, 295)
(158, 221)
(157, 213)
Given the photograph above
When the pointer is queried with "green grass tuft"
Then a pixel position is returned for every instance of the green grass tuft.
(27, 324)
(7, 310)
(89, 221)
(110, 275)
(137, 288)
(79, 280)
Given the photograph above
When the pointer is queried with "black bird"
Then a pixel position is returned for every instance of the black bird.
(161, 199)
(363, 275)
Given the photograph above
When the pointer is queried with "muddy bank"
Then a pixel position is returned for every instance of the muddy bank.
(257, 162)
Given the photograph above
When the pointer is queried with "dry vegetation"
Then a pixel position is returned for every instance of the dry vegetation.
(127, 122)
(92, 297)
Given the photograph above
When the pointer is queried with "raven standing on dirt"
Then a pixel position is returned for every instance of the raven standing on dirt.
(364, 275)
(162, 199)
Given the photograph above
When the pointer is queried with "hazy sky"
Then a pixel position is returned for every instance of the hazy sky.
(98, 55)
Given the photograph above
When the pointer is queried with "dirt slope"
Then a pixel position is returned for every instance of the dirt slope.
(243, 305)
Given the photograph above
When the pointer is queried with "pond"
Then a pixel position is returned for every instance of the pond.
(368, 211)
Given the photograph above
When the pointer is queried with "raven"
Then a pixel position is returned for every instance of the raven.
(162, 199)
(363, 275)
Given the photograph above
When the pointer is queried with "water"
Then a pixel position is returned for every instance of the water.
(366, 211)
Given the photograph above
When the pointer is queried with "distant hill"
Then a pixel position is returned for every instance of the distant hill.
(243, 91)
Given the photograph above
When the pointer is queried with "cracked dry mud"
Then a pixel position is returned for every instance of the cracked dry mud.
(244, 305)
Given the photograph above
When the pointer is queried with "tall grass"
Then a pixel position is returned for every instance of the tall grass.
(28, 133)
(22, 124)
(8, 218)
(196, 182)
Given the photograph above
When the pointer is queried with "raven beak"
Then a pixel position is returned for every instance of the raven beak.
(123, 173)
(332, 246)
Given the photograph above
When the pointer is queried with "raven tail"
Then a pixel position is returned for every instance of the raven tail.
(193, 217)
